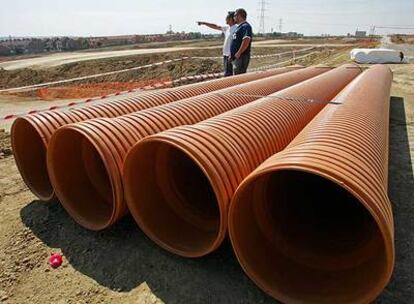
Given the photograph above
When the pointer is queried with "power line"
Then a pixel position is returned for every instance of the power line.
(403, 27)
(262, 10)
(396, 27)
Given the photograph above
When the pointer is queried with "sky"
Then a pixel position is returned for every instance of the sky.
(122, 17)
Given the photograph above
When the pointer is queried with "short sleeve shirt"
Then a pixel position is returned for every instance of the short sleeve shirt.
(243, 31)
(228, 36)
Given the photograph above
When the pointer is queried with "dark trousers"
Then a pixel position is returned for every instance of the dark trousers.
(228, 67)
(240, 65)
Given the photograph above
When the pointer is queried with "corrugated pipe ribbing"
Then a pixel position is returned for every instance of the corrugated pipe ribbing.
(313, 223)
(85, 160)
(179, 183)
(30, 134)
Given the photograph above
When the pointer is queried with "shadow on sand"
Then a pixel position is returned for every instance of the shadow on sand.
(401, 193)
(122, 257)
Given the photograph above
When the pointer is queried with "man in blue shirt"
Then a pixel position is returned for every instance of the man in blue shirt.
(241, 43)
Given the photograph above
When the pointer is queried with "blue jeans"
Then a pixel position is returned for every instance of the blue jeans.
(240, 65)
(228, 67)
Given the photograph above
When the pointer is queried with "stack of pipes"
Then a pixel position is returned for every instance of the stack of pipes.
(290, 163)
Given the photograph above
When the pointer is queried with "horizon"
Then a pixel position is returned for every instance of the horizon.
(27, 19)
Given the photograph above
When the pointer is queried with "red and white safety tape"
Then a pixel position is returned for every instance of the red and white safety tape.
(159, 85)
(286, 62)
(47, 84)
(279, 55)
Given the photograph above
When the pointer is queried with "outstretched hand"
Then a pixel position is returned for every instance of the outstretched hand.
(200, 22)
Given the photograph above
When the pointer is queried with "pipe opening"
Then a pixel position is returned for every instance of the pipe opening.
(29, 151)
(171, 198)
(303, 238)
(81, 179)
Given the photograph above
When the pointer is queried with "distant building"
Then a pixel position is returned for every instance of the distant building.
(282, 35)
(36, 46)
(360, 34)
(15, 45)
(4, 50)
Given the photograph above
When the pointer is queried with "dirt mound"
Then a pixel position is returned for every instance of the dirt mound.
(102, 85)
(402, 39)
(27, 76)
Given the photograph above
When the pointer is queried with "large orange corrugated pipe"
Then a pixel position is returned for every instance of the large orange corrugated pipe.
(30, 134)
(313, 223)
(85, 159)
(179, 183)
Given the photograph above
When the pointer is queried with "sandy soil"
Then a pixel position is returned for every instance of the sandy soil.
(403, 39)
(27, 76)
(65, 58)
(57, 59)
(120, 265)
(97, 68)
(30, 76)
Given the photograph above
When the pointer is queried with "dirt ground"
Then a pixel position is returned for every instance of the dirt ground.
(121, 265)
(96, 63)
(403, 39)
(60, 58)
(24, 77)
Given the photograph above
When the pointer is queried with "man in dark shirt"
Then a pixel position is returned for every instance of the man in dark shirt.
(241, 43)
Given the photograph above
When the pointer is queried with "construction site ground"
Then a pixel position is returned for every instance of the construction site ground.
(121, 265)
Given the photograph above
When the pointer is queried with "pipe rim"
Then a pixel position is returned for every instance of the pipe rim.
(108, 163)
(386, 236)
(28, 175)
(132, 202)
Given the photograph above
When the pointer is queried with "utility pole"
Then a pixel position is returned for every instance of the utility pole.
(262, 10)
(280, 25)
(372, 31)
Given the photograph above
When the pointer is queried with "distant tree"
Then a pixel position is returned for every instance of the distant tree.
(36, 45)
(83, 43)
(18, 50)
(4, 51)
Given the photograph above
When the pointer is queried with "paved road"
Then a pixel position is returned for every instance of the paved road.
(69, 57)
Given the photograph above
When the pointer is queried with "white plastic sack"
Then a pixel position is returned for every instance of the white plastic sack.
(376, 56)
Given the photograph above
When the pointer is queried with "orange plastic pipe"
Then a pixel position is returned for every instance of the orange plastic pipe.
(30, 134)
(179, 183)
(313, 223)
(85, 160)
